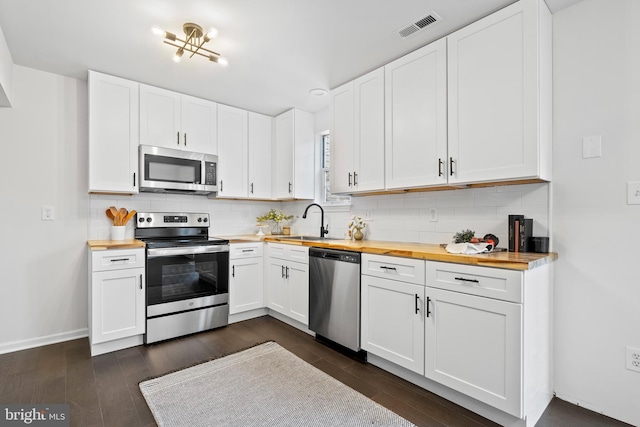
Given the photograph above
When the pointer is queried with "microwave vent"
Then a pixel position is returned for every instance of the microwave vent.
(418, 25)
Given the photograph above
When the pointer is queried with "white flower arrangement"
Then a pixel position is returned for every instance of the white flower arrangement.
(356, 223)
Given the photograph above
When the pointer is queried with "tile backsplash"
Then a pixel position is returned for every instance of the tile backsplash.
(394, 217)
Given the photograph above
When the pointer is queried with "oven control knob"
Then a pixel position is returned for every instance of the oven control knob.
(199, 219)
(149, 219)
(205, 220)
(140, 219)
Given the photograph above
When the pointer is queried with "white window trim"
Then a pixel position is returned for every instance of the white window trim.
(337, 206)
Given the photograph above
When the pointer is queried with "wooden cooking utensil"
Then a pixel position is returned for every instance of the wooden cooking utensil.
(110, 215)
(128, 217)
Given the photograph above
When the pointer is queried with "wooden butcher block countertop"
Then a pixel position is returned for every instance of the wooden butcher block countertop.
(430, 252)
(102, 245)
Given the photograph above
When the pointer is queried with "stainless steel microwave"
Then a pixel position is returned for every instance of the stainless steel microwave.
(164, 170)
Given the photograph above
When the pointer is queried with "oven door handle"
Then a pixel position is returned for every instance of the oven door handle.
(191, 250)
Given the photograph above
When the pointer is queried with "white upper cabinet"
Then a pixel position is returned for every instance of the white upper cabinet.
(172, 120)
(499, 74)
(416, 118)
(293, 156)
(113, 134)
(232, 151)
(260, 144)
(357, 136)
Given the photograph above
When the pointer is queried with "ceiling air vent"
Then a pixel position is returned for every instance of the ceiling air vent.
(420, 24)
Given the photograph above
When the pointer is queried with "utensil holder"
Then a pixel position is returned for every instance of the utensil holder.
(118, 232)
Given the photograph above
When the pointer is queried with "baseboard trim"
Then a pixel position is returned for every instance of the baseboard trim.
(10, 347)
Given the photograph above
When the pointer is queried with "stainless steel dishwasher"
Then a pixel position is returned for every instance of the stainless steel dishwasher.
(334, 296)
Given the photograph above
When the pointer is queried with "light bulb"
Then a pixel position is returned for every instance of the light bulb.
(178, 55)
(157, 31)
(223, 61)
(212, 33)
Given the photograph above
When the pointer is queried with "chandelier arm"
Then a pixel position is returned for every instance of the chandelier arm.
(186, 48)
(197, 48)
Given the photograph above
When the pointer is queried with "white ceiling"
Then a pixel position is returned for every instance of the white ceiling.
(277, 49)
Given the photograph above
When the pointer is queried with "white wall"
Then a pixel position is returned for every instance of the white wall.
(43, 162)
(597, 287)
(6, 72)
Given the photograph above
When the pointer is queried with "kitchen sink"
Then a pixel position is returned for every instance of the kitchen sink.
(312, 238)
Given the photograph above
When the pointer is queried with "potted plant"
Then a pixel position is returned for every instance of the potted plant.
(355, 226)
(277, 217)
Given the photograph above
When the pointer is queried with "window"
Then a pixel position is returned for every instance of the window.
(326, 198)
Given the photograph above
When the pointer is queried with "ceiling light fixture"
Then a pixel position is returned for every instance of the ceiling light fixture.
(318, 92)
(193, 45)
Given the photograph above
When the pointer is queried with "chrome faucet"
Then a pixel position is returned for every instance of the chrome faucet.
(323, 230)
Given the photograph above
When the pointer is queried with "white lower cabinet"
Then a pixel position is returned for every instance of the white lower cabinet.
(245, 277)
(474, 345)
(287, 276)
(392, 322)
(116, 299)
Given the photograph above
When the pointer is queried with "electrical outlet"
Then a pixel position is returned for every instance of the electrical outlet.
(433, 214)
(47, 213)
(368, 216)
(633, 359)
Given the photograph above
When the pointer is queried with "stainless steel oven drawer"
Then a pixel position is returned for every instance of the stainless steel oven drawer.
(175, 325)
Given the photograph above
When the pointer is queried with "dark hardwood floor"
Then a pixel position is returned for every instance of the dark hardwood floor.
(103, 390)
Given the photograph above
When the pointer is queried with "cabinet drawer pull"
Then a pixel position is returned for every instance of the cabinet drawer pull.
(120, 259)
(417, 308)
(384, 267)
(141, 281)
(427, 304)
(462, 279)
(247, 250)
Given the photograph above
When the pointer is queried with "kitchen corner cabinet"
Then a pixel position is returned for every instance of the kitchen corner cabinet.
(287, 276)
(113, 134)
(173, 120)
(293, 156)
(245, 277)
(232, 151)
(259, 164)
(416, 118)
(392, 323)
(116, 299)
(357, 135)
(499, 105)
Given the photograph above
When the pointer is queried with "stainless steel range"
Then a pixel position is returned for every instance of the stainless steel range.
(187, 274)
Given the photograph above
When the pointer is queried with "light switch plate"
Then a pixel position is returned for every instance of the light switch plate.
(48, 213)
(592, 146)
(633, 193)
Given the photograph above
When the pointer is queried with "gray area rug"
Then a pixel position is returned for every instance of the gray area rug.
(263, 386)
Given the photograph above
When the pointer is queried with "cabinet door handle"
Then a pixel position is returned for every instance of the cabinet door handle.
(134, 179)
(417, 299)
(428, 302)
(185, 139)
(287, 274)
(178, 137)
(252, 188)
(141, 281)
(384, 267)
(462, 279)
(120, 259)
(233, 271)
(290, 188)
(451, 166)
(349, 179)
(282, 271)
(355, 178)
(221, 186)
(439, 167)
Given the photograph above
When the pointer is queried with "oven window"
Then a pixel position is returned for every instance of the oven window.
(172, 169)
(175, 278)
